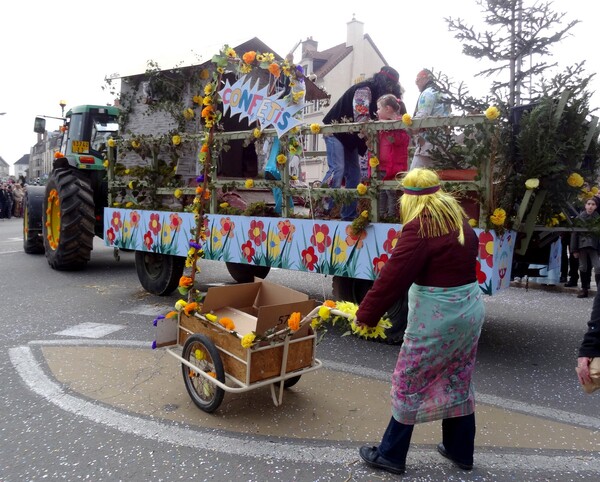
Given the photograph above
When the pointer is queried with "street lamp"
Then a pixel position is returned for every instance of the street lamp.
(62, 104)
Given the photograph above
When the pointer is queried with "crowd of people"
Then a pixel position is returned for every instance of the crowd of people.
(379, 98)
(11, 199)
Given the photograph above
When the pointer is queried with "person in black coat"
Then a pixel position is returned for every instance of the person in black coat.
(590, 345)
(357, 104)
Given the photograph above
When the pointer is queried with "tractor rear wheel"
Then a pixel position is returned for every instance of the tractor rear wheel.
(69, 220)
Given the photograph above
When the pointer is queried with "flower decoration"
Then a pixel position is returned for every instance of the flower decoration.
(178, 193)
(498, 217)
(473, 223)
(227, 323)
(210, 317)
(281, 159)
(407, 119)
(111, 142)
(135, 144)
(188, 114)
(180, 305)
(315, 128)
(575, 180)
(248, 340)
(190, 308)
(294, 321)
(373, 162)
(176, 139)
(361, 189)
(532, 183)
(249, 184)
(106, 164)
(492, 113)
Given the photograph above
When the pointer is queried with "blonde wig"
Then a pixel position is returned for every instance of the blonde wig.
(424, 198)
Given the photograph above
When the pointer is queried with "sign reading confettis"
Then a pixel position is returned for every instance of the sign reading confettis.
(254, 103)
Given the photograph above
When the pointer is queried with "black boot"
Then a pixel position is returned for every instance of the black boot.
(583, 293)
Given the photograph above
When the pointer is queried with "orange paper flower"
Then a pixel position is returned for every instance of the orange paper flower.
(294, 321)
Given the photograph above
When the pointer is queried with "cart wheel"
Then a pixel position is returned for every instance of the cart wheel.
(290, 382)
(202, 353)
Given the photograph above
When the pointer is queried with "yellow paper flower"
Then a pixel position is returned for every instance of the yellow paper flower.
(111, 142)
(208, 89)
(532, 183)
(199, 354)
(407, 119)
(249, 183)
(224, 205)
(135, 144)
(178, 193)
(180, 305)
(105, 164)
(188, 113)
(176, 140)
(256, 133)
(492, 113)
(364, 214)
(498, 217)
(575, 180)
(204, 74)
(281, 159)
(473, 223)
(248, 340)
(373, 162)
(210, 317)
(131, 185)
(315, 128)
(362, 189)
(128, 204)
(324, 312)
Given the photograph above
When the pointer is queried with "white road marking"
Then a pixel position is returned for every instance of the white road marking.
(38, 382)
(90, 330)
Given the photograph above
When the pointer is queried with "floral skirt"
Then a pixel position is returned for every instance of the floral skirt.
(432, 379)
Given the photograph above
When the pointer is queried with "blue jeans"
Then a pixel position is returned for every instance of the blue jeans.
(343, 165)
(272, 173)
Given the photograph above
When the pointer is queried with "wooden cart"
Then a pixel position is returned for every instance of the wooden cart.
(213, 360)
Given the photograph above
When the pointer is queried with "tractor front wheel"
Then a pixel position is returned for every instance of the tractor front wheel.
(69, 220)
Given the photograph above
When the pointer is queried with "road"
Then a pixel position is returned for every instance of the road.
(84, 397)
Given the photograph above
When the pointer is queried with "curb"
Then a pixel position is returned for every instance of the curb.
(557, 288)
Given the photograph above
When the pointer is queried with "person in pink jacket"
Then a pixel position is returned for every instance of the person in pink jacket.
(393, 153)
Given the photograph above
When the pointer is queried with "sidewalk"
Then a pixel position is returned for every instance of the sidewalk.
(322, 406)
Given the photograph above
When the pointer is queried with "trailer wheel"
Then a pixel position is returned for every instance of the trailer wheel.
(33, 205)
(290, 382)
(159, 274)
(203, 354)
(354, 290)
(69, 220)
(245, 273)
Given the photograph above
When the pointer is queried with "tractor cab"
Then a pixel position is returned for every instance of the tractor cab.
(86, 131)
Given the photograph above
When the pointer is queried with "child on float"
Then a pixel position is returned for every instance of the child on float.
(585, 245)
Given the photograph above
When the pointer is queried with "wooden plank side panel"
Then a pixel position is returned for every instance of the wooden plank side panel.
(267, 363)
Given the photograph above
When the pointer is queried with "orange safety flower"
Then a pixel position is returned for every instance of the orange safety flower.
(329, 303)
(294, 321)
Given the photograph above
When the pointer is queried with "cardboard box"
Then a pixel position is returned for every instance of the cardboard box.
(256, 306)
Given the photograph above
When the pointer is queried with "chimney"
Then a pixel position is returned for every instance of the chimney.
(356, 31)
(308, 46)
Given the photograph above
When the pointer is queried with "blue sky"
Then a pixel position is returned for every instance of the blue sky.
(63, 51)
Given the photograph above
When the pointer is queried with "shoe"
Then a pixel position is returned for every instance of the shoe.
(442, 450)
(571, 284)
(372, 457)
(583, 293)
(563, 279)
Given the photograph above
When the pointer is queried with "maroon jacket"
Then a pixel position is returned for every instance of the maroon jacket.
(439, 261)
